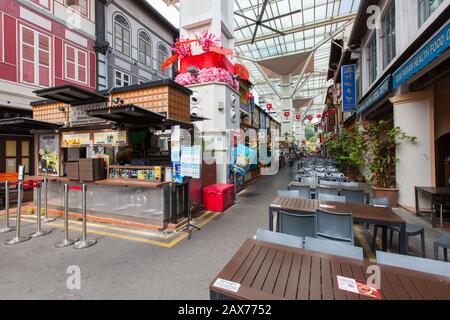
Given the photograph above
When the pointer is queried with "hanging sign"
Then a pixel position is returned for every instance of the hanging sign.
(75, 140)
(349, 88)
(110, 138)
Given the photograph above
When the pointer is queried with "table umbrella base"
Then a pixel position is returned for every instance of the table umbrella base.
(41, 233)
(84, 244)
(17, 240)
(6, 230)
(65, 243)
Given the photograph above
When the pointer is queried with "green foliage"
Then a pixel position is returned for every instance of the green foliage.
(380, 144)
(309, 132)
(347, 150)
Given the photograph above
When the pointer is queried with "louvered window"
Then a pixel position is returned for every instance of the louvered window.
(76, 64)
(35, 57)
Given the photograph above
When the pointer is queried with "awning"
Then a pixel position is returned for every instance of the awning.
(70, 94)
(127, 114)
(28, 123)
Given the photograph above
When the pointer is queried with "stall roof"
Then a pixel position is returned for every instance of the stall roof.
(70, 94)
(127, 114)
(28, 123)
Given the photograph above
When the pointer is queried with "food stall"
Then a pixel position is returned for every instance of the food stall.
(118, 143)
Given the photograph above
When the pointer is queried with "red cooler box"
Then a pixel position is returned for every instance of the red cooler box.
(218, 197)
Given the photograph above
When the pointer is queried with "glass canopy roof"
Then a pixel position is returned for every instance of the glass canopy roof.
(287, 27)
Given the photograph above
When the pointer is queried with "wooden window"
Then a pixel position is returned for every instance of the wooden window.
(163, 55)
(81, 6)
(145, 49)
(122, 79)
(122, 35)
(76, 64)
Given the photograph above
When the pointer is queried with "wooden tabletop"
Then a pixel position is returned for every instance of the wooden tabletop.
(314, 186)
(361, 212)
(268, 271)
(440, 191)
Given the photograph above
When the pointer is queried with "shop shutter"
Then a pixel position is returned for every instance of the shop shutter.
(28, 55)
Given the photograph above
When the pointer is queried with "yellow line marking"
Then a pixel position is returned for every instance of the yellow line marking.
(362, 240)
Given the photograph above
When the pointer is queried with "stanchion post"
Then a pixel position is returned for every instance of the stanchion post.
(8, 227)
(18, 238)
(67, 241)
(84, 243)
(39, 232)
(46, 218)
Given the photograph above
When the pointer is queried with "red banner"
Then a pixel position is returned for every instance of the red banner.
(206, 60)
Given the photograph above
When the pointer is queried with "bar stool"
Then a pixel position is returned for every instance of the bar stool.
(444, 243)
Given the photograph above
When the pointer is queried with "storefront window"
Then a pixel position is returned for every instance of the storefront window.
(388, 24)
(426, 9)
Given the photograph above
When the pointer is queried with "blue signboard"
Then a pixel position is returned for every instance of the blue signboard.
(384, 88)
(348, 88)
(433, 49)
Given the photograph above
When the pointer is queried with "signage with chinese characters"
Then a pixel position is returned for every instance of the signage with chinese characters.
(79, 116)
(433, 49)
(348, 88)
(384, 88)
(110, 138)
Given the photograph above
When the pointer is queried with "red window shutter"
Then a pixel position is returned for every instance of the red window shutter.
(92, 72)
(70, 62)
(82, 73)
(1, 37)
(10, 39)
(58, 58)
(28, 55)
(44, 61)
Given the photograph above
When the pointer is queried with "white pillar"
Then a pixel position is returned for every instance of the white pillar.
(414, 114)
(286, 105)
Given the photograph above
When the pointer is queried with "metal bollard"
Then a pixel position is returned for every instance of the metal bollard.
(84, 243)
(39, 232)
(8, 227)
(18, 238)
(67, 241)
(45, 186)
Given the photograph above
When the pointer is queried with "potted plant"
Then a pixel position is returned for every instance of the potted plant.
(380, 143)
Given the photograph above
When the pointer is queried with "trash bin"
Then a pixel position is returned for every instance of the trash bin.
(218, 197)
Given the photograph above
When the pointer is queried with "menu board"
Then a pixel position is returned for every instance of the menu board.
(190, 161)
(73, 140)
(110, 138)
(49, 154)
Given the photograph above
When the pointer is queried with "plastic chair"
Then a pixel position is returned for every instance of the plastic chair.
(305, 191)
(289, 193)
(335, 226)
(329, 197)
(326, 190)
(413, 263)
(279, 238)
(296, 224)
(334, 248)
(354, 196)
(444, 243)
(309, 180)
(381, 202)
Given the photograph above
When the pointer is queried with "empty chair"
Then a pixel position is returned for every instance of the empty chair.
(296, 224)
(326, 190)
(380, 202)
(309, 180)
(444, 243)
(305, 191)
(334, 248)
(279, 238)
(354, 196)
(329, 197)
(289, 193)
(335, 226)
(413, 263)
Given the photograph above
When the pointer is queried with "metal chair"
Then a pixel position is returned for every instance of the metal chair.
(289, 193)
(444, 243)
(326, 190)
(334, 248)
(279, 238)
(354, 196)
(329, 197)
(335, 226)
(413, 263)
(296, 224)
(305, 191)
(380, 202)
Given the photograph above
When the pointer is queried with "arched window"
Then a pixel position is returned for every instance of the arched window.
(145, 49)
(122, 35)
(163, 55)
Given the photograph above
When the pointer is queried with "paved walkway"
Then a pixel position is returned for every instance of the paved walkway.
(126, 269)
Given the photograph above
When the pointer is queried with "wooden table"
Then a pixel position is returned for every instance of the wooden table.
(442, 194)
(267, 271)
(362, 213)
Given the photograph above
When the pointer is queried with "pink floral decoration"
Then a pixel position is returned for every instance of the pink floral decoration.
(207, 39)
(185, 79)
(182, 47)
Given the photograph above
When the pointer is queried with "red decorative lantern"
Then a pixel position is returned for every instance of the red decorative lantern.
(298, 117)
(327, 114)
(286, 114)
(310, 118)
(269, 106)
(249, 95)
(319, 116)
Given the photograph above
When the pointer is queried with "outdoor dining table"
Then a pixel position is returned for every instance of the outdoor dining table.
(436, 193)
(267, 271)
(362, 213)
